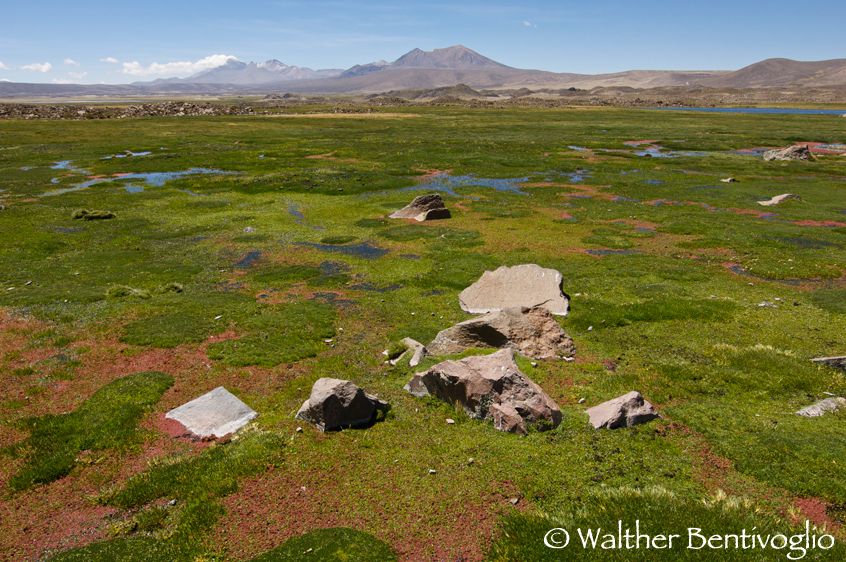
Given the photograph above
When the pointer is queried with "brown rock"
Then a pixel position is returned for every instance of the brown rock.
(489, 387)
(526, 285)
(624, 411)
(533, 332)
(423, 208)
(796, 152)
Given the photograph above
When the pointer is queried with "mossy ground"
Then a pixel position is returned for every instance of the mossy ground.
(656, 308)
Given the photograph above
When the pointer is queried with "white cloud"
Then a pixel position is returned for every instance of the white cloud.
(38, 67)
(527, 23)
(61, 81)
(4, 80)
(77, 75)
(71, 62)
(178, 68)
(3, 66)
(110, 60)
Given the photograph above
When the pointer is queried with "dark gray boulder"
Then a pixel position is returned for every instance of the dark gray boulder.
(838, 362)
(337, 404)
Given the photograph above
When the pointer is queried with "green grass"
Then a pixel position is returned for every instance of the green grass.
(659, 512)
(196, 484)
(330, 545)
(664, 316)
(107, 420)
(280, 334)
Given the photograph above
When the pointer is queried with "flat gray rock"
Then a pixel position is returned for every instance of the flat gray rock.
(823, 407)
(835, 362)
(525, 286)
(423, 208)
(214, 414)
(489, 387)
(337, 403)
(624, 411)
(532, 332)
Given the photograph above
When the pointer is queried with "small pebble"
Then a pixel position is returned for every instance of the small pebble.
(590, 328)
(218, 317)
(450, 421)
(299, 430)
(514, 501)
(432, 471)
(534, 363)
(471, 460)
(581, 400)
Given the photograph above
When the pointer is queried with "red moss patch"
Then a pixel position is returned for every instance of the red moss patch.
(825, 224)
(816, 511)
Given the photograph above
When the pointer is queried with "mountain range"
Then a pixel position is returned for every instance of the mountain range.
(422, 70)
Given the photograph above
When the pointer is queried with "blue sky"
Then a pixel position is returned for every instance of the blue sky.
(114, 42)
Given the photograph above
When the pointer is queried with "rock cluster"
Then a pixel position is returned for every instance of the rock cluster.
(337, 404)
(163, 109)
(423, 208)
(796, 152)
(489, 387)
(533, 332)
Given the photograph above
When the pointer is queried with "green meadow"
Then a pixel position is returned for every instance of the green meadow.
(285, 269)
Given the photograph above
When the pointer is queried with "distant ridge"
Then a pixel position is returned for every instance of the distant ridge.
(444, 68)
(775, 73)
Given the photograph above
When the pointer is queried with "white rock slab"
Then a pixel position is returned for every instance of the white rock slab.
(214, 414)
(778, 199)
(823, 407)
(526, 285)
